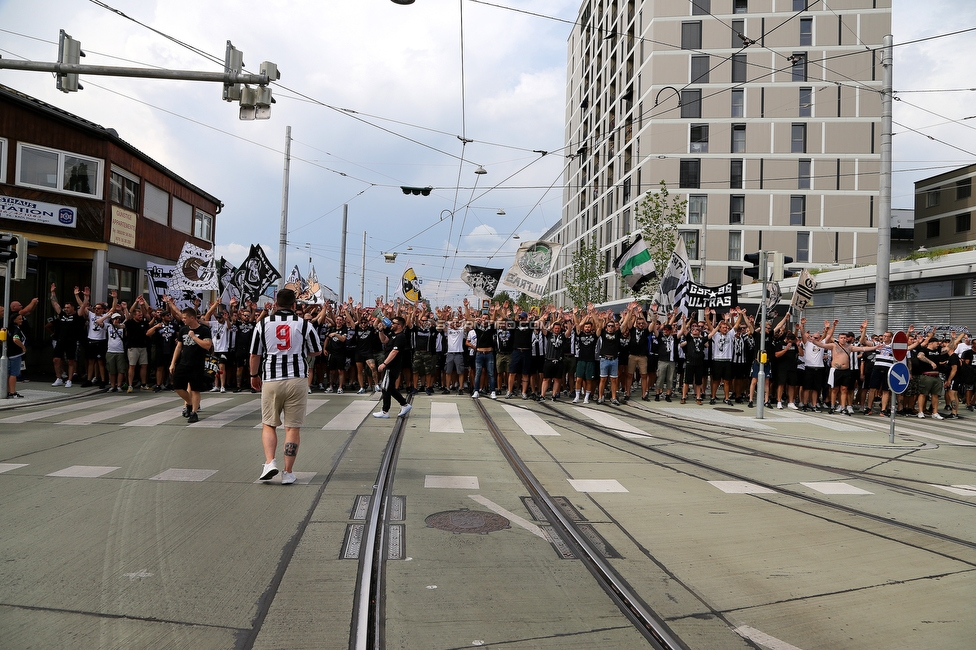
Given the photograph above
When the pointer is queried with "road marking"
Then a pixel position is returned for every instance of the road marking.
(763, 639)
(613, 422)
(6, 467)
(173, 474)
(350, 417)
(138, 575)
(961, 490)
(511, 516)
(741, 487)
(932, 436)
(445, 418)
(461, 482)
(167, 415)
(529, 421)
(714, 416)
(224, 417)
(827, 487)
(120, 411)
(597, 485)
(47, 413)
(83, 471)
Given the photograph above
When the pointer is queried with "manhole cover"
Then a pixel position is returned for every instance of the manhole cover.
(727, 410)
(467, 521)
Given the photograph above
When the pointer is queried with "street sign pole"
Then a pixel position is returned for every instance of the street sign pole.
(898, 383)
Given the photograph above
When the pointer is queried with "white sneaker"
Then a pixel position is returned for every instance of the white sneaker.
(936, 416)
(224, 390)
(850, 409)
(287, 478)
(779, 405)
(404, 410)
(361, 391)
(493, 395)
(59, 382)
(475, 395)
(215, 389)
(377, 389)
(309, 390)
(921, 416)
(576, 398)
(339, 392)
(586, 399)
(793, 406)
(270, 470)
(67, 384)
(381, 414)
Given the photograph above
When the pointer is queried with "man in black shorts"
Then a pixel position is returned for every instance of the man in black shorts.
(187, 368)
(69, 329)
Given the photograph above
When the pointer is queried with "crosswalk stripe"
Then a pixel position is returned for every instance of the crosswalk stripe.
(171, 414)
(444, 418)
(350, 417)
(120, 411)
(224, 417)
(529, 421)
(59, 410)
(605, 419)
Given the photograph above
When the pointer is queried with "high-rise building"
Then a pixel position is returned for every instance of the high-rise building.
(765, 115)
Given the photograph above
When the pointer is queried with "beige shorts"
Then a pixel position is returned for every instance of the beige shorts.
(637, 362)
(137, 356)
(285, 396)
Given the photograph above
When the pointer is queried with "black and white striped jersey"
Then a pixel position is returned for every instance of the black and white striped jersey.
(286, 341)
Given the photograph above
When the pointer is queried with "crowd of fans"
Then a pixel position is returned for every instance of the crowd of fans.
(509, 351)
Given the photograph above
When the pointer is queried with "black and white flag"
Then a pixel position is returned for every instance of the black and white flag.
(698, 296)
(195, 269)
(482, 280)
(255, 275)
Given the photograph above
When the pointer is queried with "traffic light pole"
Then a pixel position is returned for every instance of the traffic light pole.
(761, 375)
(4, 360)
(143, 73)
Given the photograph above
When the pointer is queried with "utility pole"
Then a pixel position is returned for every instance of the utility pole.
(283, 235)
(884, 202)
(342, 254)
(362, 278)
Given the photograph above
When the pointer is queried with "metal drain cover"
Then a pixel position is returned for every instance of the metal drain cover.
(727, 409)
(467, 521)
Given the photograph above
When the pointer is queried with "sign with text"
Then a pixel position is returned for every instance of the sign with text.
(123, 227)
(49, 214)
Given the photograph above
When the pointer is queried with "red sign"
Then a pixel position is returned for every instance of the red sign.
(899, 346)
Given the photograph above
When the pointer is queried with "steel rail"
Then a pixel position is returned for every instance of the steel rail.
(655, 630)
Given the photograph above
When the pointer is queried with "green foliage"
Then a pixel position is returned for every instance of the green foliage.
(658, 217)
(583, 282)
(501, 297)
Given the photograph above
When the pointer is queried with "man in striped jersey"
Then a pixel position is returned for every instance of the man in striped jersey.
(280, 348)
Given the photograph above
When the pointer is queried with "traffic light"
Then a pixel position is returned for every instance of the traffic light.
(754, 259)
(779, 263)
(233, 64)
(8, 248)
(416, 190)
(20, 263)
(69, 52)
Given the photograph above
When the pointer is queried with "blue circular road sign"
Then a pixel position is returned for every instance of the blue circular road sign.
(898, 377)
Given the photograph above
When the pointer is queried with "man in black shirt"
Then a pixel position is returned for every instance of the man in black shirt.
(556, 345)
(395, 345)
(69, 329)
(137, 332)
(521, 355)
(585, 344)
(189, 376)
(608, 349)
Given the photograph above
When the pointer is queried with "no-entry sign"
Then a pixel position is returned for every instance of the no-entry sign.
(899, 346)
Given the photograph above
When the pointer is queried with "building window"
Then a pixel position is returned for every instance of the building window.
(737, 208)
(735, 174)
(798, 210)
(691, 103)
(121, 279)
(691, 35)
(933, 198)
(738, 102)
(738, 138)
(182, 216)
(203, 225)
(124, 189)
(691, 243)
(156, 204)
(697, 208)
(740, 6)
(798, 138)
(806, 102)
(3, 160)
(735, 245)
(701, 7)
(799, 66)
(699, 69)
(803, 174)
(699, 138)
(800, 5)
(738, 31)
(962, 287)
(932, 229)
(690, 174)
(806, 31)
(61, 171)
(964, 188)
(735, 275)
(738, 68)
(962, 222)
(803, 247)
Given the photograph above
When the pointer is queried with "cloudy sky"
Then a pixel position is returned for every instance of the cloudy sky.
(380, 95)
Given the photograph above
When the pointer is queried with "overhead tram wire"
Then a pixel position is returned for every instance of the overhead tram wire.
(934, 139)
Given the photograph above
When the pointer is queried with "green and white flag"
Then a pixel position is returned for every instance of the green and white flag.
(635, 265)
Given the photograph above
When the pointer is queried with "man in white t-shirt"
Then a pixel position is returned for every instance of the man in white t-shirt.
(220, 330)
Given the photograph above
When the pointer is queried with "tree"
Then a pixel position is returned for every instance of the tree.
(657, 220)
(583, 282)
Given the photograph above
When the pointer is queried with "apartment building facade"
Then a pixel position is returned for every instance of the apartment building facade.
(943, 209)
(763, 114)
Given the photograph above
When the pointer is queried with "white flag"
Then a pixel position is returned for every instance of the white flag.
(674, 280)
(534, 262)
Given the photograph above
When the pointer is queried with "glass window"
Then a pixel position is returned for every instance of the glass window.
(699, 69)
(806, 31)
(806, 102)
(3, 160)
(802, 247)
(691, 103)
(735, 174)
(803, 174)
(799, 70)
(738, 68)
(932, 198)
(691, 243)
(690, 174)
(699, 138)
(737, 208)
(738, 138)
(799, 5)
(691, 35)
(962, 287)
(697, 208)
(701, 7)
(740, 6)
(738, 102)
(798, 210)
(738, 31)
(124, 190)
(735, 275)
(964, 188)
(203, 225)
(59, 170)
(962, 222)
(798, 138)
(932, 229)
(735, 245)
(38, 167)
